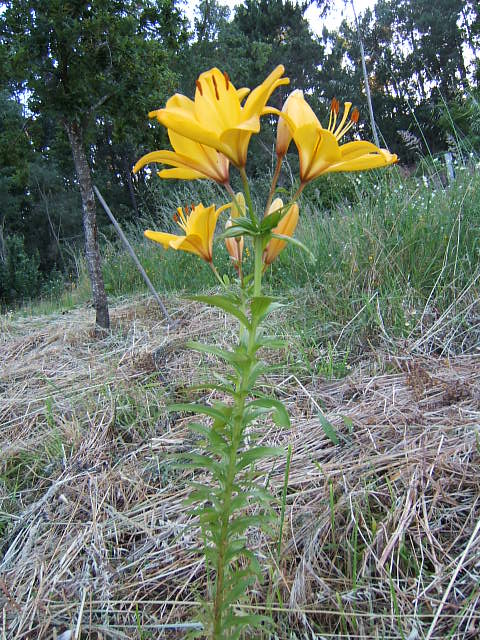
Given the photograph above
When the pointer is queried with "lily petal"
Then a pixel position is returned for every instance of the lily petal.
(159, 236)
(180, 174)
(376, 160)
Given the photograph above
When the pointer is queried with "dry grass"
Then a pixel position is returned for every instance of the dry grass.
(382, 529)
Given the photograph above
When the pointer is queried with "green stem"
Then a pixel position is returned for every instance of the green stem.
(237, 433)
(248, 197)
(299, 191)
(257, 282)
(222, 548)
(217, 275)
(274, 184)
(233, 195)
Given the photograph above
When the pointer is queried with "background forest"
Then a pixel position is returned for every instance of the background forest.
(81, 77)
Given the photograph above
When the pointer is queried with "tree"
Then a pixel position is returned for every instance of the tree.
(84, 64)
(15, 154)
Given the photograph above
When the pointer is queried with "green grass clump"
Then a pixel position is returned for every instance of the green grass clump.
(388, 251)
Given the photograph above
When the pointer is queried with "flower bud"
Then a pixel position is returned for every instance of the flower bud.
(234, 247)
(286, 227)
(238, 202)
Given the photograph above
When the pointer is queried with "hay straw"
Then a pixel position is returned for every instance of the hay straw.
(380, 535)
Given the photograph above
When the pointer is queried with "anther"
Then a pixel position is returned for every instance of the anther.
(216, 88)
(335, 106)
(199, 86)
(355, 115)
(227, 80)
(175, 217)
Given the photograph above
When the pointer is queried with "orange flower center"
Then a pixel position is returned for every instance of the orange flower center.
(344, 126)
(182, 215)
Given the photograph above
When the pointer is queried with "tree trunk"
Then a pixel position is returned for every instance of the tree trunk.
(92, 252)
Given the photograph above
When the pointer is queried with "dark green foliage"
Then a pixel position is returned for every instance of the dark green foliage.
(89, 70)
(19, 273)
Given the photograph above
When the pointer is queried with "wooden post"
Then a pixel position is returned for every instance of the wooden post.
(450, 168)
(132, 255)
(365, 79)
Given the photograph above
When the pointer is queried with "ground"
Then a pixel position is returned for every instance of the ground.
(381, 535)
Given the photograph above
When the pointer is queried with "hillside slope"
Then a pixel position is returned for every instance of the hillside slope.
(382, 523)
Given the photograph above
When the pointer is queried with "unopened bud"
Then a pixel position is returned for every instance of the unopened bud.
(286, 227)
(234, 247)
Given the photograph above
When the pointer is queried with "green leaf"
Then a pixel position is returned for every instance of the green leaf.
(238, 502)
(200, 492)
(235, 548)
(232, 232)
(257, 453)
(229, 304)
(328, 428)
(279, 416)
(244, 222)
(226, 379)
(272, 219)
(263, 496)
(217, 442)
(261, 306)
(256, 371)
(229, 390)
(202, 409)
(233, 357)
(197, 460)
(295, 242)
(252, 620)
(209, 517)
(240, 227)
(237, 591)
(211, 555)
(239, 525)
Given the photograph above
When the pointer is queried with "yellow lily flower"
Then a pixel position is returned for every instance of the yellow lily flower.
(191, 160)
(318, 148)
(216, 117)
(286, 227)
(198, 223)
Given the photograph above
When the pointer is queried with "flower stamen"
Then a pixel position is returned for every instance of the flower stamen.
(334, 109)
(227, 80)
(217, 95)
(353, 120)
(182, 218)
(198, 84)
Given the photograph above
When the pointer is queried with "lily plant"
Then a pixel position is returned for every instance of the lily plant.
(208, 134)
